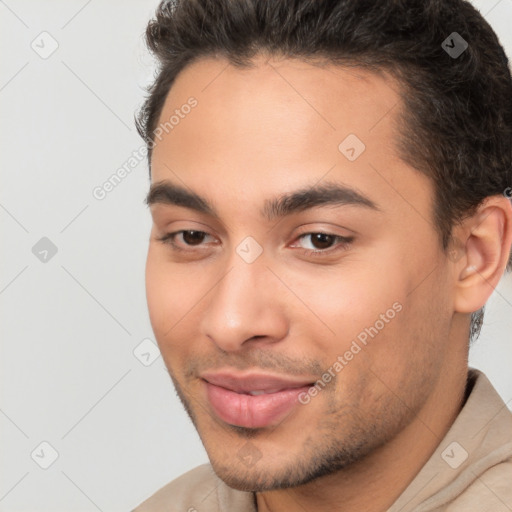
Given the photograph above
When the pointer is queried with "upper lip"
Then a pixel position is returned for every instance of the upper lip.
(244, 383)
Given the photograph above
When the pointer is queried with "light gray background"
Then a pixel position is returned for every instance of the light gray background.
(70, 325)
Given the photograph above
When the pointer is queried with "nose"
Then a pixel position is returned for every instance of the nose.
(245, 307)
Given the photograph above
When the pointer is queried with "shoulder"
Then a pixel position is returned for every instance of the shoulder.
(190, 491)
(491, 491)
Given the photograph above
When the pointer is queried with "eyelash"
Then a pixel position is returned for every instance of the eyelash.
(343, 242)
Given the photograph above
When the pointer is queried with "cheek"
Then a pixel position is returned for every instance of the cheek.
(408, 352)
(345, 302)
(166, 307)
(173, 293)
(155, 290)
(164, 294)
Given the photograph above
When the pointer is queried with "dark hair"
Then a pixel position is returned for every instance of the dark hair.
(457, 118)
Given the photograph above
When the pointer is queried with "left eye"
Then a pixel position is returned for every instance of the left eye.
(322, 242)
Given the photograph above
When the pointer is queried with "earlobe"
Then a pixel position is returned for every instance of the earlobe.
(488, 236)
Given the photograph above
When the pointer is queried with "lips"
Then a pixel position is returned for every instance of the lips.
(252, 400)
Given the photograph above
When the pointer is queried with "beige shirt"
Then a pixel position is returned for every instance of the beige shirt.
(470, 471)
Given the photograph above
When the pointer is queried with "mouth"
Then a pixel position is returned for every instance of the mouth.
(253, 400)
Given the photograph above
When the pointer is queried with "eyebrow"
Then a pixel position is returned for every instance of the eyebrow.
(325, 194)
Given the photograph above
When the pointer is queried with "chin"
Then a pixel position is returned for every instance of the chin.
(246, 479)
(260, 477)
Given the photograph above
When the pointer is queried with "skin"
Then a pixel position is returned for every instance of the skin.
(256, 134)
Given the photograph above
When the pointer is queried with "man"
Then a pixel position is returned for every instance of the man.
(329, 195)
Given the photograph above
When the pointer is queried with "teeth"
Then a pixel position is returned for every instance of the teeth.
(261, 392)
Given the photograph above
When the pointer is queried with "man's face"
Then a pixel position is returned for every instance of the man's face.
(242, 304)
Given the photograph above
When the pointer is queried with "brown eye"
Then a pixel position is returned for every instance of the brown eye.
(322, 240)
(318, 243)
(193, 237)
(180, 240)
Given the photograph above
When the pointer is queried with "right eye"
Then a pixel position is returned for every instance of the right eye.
(189, 238)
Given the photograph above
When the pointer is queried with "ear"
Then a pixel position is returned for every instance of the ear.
(485, 239)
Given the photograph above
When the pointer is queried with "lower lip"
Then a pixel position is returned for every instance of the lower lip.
(252, 411)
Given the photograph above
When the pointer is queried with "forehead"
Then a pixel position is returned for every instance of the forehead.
(280, 124)
(280, 100)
